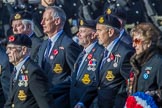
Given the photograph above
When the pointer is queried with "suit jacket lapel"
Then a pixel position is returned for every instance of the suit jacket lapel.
(43, 51)
(107, 64)
(56, 47)
(14, 88)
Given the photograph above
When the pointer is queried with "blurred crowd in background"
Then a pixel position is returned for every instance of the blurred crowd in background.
(136, 11)
(105, 64)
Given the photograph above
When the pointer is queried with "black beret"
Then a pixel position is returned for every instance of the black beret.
(20, 39)
(109, 20)
(118, 12)
(21, 15)
(87, 23)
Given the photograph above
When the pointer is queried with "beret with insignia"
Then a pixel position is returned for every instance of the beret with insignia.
(109, 20)
(20, 39)
(21, 15)
(118, 12)
(87, 23)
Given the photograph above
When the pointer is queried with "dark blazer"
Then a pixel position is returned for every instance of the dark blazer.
(147, 75)
(112, 79)
(150, 77)
(87, 74)
(36, 42)
(5, 73)
(30, 88)
(59, 67)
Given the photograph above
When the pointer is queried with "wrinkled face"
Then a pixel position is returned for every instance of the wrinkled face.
(140, 44)
(15, 53)
(85, 35)
(48, 23)
(102, 34)
(17, 27)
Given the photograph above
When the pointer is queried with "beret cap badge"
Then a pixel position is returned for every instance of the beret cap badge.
(108, 11)
(11, 38)
(17, 16)
(101, 20)
(81, 22)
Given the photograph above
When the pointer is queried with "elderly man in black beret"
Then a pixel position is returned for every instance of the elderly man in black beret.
(88, 62)
(22, 24)
(115, 65)
(114, 68)
(121, 15)
(28, 85)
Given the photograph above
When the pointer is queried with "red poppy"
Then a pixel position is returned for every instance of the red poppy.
(11, 38)
(89, 56)
(90, 62)
(112, 57)
(131, 75)
(55, 52)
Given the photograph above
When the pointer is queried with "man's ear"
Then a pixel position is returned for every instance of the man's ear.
(93, 35)
(57, 21)
(111, 32)
(24, 50)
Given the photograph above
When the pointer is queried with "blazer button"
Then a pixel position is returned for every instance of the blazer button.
(13, 106)
(99, 88)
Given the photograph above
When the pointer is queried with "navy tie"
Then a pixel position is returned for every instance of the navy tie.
(104, 58)
(80, 61)
(48, 48)
(14, 75)
(81, 57)
(105, 53)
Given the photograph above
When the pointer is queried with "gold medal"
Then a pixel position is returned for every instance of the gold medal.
(115, 64)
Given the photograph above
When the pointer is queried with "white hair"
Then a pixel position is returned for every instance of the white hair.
(26, 22)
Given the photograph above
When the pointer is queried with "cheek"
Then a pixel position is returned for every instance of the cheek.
(19, 28)
(103, 38)
(49, 26)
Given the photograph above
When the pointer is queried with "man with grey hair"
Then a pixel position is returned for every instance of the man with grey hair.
(114, 68)
(22, 23)
(57, 55)
(28, 83)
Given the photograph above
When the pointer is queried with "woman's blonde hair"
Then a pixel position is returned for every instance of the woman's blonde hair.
(147, 30)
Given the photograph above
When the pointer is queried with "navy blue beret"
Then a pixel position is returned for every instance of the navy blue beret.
(21, 15)
(87, 23)
(118, 12)
(109, 20)
(20, 39)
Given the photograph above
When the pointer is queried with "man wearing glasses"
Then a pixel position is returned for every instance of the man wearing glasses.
(28, 85)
